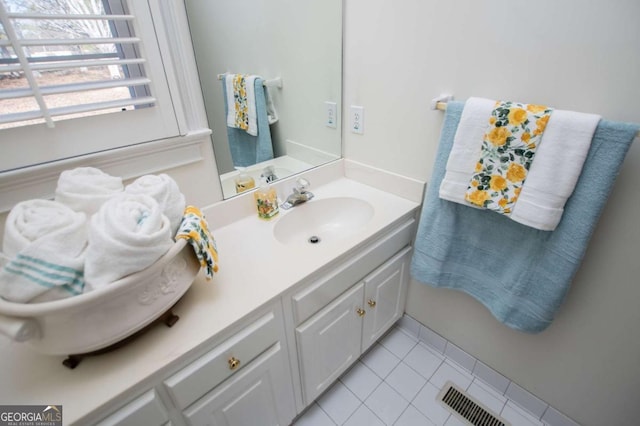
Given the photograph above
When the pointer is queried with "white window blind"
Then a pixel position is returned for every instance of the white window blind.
(94, 68)
(68, 58)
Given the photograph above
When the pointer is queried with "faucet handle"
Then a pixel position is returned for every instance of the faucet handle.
(302, 185)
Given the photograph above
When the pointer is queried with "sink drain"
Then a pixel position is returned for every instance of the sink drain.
(314, 239)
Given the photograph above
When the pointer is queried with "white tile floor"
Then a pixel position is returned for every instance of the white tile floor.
(396, 383)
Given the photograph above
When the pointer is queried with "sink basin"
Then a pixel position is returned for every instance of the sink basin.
(323, 220)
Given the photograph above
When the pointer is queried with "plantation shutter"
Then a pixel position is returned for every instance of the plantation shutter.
(69, 60)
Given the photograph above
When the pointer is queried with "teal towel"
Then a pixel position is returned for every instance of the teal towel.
(519, 273)
(247, 150)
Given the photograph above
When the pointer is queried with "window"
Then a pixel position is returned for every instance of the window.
(68, 58)
(78, 77)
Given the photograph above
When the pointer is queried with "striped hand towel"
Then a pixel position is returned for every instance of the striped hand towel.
(46, 242)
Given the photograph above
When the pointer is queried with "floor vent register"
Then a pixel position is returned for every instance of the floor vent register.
(468, 409)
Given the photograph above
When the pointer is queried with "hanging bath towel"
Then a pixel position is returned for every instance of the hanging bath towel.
(519, 273)
(247, 146)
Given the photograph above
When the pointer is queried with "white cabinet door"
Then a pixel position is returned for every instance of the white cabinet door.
(384, 297)
(259, 394)
(329, 342)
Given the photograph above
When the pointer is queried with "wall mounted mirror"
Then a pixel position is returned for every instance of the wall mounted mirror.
(295, 44)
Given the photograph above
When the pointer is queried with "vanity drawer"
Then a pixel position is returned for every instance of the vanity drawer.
(199, 377)
(320, 293)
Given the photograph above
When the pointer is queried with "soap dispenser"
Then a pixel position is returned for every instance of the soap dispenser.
(266, 200)
(243, 181)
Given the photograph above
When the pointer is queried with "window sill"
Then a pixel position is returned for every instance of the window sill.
(128, 162)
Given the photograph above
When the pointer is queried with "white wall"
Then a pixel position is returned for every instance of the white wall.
(579, 55)
(298, 41)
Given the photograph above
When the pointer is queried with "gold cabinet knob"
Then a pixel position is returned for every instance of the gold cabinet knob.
(233, 363)
(360, 312)
(372, 303)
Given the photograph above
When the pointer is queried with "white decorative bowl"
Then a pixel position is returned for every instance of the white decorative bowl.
(103, 317)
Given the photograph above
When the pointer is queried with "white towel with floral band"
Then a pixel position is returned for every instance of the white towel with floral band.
(241, 102)
(551, 177)
(556, 169)
(466, 147)
(508, 149)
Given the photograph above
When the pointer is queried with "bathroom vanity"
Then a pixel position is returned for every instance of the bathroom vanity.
(275, 327)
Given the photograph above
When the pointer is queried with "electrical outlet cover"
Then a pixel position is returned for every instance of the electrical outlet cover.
(357, 119)
(331, 113)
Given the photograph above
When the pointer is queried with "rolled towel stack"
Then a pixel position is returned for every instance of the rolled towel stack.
(128, 234)
(46, 243)
(86, 189)
(93, 234)
(166, 192)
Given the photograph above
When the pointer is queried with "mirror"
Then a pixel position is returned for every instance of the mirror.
(299, 43)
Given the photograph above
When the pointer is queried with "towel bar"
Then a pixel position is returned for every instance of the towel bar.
(274, 82)
(442, 106)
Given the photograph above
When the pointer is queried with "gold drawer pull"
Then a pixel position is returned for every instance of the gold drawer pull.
(233, 363)
(360, 312)
(372, 303)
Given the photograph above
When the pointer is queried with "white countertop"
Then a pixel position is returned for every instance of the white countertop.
(254, 269)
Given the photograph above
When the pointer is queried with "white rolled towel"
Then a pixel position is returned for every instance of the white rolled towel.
(85, 189)
(128, 234)
(166, 192)
(45, 242)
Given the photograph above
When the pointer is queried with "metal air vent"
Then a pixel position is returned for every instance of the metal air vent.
(467, 409)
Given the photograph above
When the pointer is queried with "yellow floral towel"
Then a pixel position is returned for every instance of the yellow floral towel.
(195, 230)
(508, 149)
(241, 107)
(241, 102)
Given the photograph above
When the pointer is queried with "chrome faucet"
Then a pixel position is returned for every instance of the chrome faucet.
(300, 194)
